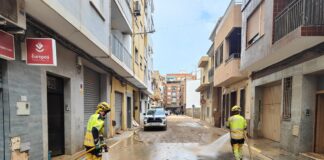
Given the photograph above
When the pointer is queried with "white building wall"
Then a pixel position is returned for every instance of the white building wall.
(193, 97)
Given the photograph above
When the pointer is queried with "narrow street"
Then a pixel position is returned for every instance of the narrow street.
(185, 139)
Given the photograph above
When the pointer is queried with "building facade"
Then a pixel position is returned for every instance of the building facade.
(174, 91)
(47, 106)
(282, 48)
(143, 26)
(232, 83)
(210, 100)
(158, 88)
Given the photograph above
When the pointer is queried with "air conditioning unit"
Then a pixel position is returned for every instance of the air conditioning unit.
(12, 15)
(137, 8)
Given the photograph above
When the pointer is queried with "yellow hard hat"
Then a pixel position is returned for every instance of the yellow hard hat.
(236, 108)
(103, 106)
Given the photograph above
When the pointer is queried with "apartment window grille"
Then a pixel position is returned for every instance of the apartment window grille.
(287, 92)
(255, 25)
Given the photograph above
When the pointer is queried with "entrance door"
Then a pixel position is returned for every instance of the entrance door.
(242, 102)
(55, 114)
(319, 130)
(118, 110)
(129, 112)
(271, 112)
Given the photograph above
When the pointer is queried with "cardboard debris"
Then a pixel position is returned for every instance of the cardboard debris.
(135, 124)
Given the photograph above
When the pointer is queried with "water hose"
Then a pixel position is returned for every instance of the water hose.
(84, 153)
(249, 145)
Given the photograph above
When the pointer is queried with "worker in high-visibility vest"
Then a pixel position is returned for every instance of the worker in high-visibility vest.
(95, 130)
(237, 125)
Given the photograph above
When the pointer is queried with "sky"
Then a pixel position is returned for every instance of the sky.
(182, 32)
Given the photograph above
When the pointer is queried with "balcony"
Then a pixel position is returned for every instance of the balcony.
(203, 61)
(299, 13)
(228, 72)
(203, 87)
(121, 16)
(120, 52)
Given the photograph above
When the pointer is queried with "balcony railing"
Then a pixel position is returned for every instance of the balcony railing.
(119, 50)
(233, 56)
(125, 5)
(296, 14)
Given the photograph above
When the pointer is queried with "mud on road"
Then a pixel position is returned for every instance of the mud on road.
(181, 129)
(181, 141)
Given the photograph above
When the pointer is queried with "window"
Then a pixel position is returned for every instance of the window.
(219, 56)
(136, 55)
(208, 93)
(98, 5)
(287, 93)
(141, 62)
(255, 25)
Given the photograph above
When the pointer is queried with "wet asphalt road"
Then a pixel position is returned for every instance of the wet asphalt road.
(185, 139)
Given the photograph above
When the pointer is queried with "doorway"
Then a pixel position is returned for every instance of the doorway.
(55, 114)
(319, 127)
(242, 102)
(129, 112)
(271, 111)
(2, 128)
(118, 110)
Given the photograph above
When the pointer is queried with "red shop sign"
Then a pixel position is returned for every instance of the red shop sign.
(41, 51)
(7, 46)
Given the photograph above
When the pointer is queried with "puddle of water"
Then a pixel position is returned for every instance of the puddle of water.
(131, 148)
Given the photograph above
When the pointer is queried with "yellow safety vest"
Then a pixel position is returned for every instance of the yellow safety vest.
(94, 121)
(237, 125)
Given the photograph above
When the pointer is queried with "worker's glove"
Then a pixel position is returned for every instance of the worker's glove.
(97, 146)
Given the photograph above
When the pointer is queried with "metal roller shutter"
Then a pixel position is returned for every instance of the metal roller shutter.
(118, 110)
(91, 93)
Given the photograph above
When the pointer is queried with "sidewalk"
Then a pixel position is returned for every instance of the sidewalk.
(267, 149)
(262, 149)
(111, 142)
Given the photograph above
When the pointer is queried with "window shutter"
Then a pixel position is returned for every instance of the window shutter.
(253, 24)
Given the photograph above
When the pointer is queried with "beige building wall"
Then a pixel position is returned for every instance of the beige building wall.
(231, 19)
(140, 43)
(117, 87)
(237, 87)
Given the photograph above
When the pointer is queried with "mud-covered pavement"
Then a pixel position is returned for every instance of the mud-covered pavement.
(185, 139)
